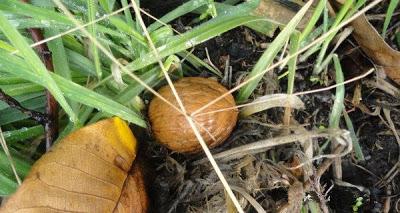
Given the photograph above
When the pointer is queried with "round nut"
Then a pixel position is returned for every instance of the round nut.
(171, 128)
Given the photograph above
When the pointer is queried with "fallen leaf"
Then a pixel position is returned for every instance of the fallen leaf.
(134, 196)
(282, 11)
(87, 171)
(375, 47)
(277, 12)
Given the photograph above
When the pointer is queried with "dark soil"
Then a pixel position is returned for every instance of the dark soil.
(174, 187)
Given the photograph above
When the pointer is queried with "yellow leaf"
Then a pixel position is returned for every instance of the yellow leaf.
(85, 172)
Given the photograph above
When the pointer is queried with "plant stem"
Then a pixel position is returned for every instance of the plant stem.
(37, 116)
(51, 124)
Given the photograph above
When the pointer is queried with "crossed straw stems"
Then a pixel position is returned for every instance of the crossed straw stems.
(181, 109)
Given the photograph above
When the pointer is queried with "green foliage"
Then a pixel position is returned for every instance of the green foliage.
(358, 203)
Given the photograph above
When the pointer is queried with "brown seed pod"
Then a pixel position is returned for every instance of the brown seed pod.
(171, 128)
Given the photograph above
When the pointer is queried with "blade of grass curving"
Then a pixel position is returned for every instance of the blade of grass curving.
(389, 14)
(34, 61)
(356, 145)
(177, 12)
(338, 105)
(92, 10)
(336, 113)
(124, 27)
(70, 89)
(269, 54)
(81, 63)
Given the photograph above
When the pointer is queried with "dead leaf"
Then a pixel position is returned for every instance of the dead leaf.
(282, 11)
(84, 172)
(134, 196)
(375, 47)
(277, 12)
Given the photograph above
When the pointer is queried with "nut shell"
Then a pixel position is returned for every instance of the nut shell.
(171, 128)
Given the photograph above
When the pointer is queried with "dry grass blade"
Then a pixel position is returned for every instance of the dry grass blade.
(5, 148)
(270, 101)
(263, 145)
(257, 206)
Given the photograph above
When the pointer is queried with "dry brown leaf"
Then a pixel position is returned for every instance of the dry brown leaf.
(376, 48)
(84, 172)
(282, 11)
(134, 196)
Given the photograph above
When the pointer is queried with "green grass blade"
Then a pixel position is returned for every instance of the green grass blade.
(389, 14)
(338, 104)
(356, 145)
(59, 55)
(198, 63)
(178, 12)
(7, 178)
(269, 55)
(34, 61)
(196, 36)
(313, 20)
(21, 89)
(107, 5)
(60, 59)
(338, 19)
(294, 47)
(8, 184)
(23, 134)
(92, 10)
